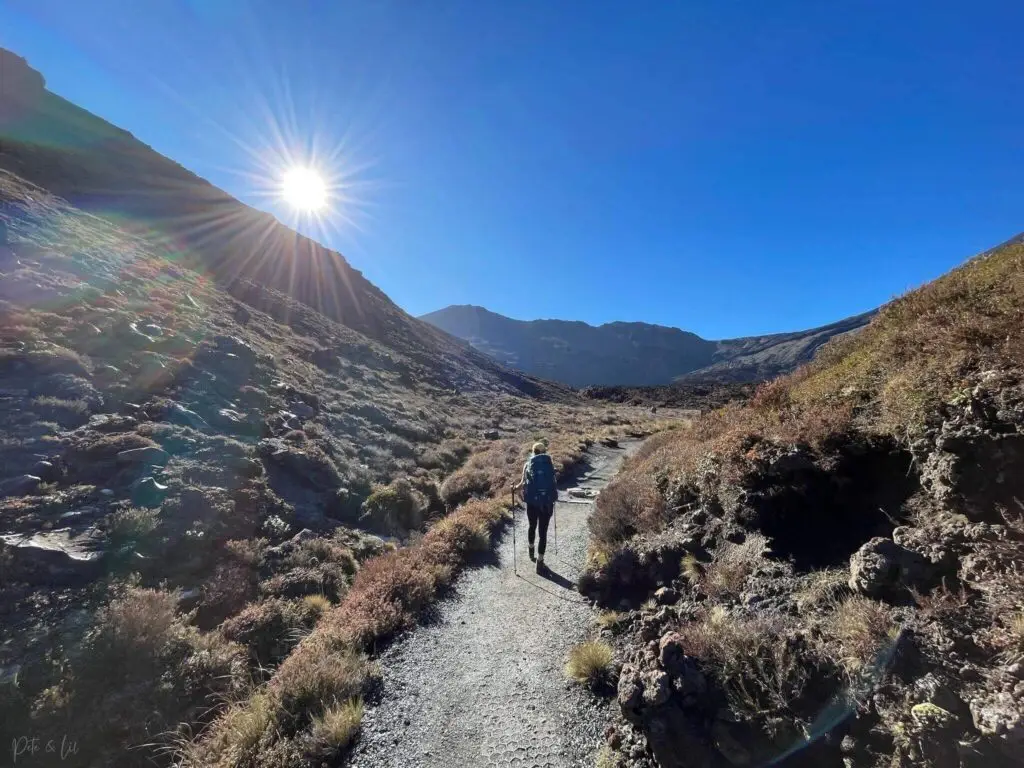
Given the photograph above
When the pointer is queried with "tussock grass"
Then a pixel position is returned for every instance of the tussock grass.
(610, 619)
(606, 758)
(336, 729)
(588, 662)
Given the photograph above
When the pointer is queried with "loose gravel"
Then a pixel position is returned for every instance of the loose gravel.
(483, 684)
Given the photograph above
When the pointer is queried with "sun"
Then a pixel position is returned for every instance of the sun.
(304, 189)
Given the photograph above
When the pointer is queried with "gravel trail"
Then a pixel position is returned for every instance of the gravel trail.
(483, 684)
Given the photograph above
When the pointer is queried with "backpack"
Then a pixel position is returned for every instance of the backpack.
(540, 481)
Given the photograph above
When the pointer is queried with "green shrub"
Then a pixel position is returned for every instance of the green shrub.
(463, 485)
(396, 508)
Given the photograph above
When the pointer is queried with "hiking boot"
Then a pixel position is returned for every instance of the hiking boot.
(540, 564)
(532, 556)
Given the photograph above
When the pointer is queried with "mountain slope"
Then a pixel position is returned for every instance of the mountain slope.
(105, 170)
(631, 354)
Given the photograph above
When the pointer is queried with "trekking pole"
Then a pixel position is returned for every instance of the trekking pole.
(514, 569)
(554, 514)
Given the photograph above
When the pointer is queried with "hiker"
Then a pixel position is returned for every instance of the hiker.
(540, 494)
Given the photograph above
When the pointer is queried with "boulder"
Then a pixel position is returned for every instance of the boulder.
(630, 693)
(307, 464)
(302, 410)
(675, 741)
(492, 434)
(20, 486)
(59, 557)
(882, 568)
(1000, 716)
(150, 454)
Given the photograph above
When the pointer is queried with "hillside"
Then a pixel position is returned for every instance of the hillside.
(631, 354)
(830, 573)
(230, 467)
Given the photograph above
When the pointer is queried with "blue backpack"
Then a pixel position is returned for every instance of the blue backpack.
(540, 481)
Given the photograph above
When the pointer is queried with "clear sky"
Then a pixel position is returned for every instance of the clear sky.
(729, 167)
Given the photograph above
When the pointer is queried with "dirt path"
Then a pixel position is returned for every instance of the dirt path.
(483, 684)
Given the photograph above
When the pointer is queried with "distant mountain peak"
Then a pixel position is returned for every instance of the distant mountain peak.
(630, 353)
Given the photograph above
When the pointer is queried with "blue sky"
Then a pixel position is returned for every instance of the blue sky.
(726, 167)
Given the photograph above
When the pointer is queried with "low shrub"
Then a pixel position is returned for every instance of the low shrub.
(130, 528)
(463, 485)
(733, 563)
(761, 668)
(140, 672)
(271, 628)
(629, 505)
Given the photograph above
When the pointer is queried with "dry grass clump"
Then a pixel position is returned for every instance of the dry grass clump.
(865, 629)
(733, 563)
(588, 662)
(1015, 627)
(317, 605)
(607, 758)
(820, 588)
(242, 726)
(610, 619)
(271, 628)
(326, 680)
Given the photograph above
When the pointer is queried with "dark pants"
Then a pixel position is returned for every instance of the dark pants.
(539, 513)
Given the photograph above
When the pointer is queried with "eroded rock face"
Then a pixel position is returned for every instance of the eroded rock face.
(882, 568)
(974, 471)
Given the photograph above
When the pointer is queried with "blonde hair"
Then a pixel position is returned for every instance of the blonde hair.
(540, 447)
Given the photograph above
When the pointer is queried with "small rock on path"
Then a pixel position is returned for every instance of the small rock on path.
(484, 684)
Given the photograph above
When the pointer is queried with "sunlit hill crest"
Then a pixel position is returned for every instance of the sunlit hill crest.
(101, 168)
